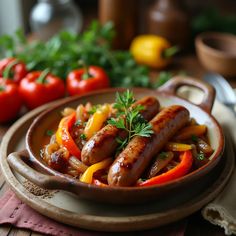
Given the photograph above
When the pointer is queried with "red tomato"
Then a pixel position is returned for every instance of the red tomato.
(10, 100)
(14, 69)
(39, 87)
(81, 81)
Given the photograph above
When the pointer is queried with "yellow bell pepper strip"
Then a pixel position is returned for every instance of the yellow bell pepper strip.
(87, 176)
(190, 131)
(178, 171)
(152, 50)
(96, 121)
(177, 147)
(63, 136)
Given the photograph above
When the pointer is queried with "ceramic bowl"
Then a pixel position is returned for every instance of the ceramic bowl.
(51, 179)
(217, 52)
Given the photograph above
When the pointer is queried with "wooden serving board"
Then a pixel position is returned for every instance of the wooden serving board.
(69, 209)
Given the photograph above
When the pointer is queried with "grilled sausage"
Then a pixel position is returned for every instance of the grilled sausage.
(135, 158)
(103, 144)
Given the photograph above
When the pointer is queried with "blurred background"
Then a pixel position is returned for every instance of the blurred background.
(18, 13)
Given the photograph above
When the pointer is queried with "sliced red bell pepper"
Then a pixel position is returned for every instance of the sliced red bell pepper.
(63, 136)
(178, 171)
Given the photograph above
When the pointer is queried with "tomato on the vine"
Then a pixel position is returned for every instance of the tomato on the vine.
(10, 100)
(12, 68)
(81, 81)
(40, 87)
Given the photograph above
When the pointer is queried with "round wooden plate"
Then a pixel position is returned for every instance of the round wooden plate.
(69, 209)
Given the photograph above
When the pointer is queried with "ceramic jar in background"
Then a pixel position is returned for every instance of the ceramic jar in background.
(167, 18)
(48, 17)
(123, 13)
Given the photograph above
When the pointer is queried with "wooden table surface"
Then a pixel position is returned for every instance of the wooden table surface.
(196, 224)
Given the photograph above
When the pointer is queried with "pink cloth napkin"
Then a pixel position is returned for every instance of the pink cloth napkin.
(13, 211)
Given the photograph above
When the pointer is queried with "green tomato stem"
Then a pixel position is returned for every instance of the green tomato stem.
(86, 75)
(2, 88)
(169, 52)
(7, 70)
(41, 79)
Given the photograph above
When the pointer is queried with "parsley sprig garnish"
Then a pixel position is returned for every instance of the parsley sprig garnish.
(129, 118)
(49, 132)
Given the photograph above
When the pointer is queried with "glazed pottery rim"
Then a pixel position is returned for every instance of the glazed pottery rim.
(203, 46)
(185, 179)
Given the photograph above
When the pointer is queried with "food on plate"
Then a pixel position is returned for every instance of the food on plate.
(81, 81)
(127, 143)
(12, 68)
(104, 143)
(135, 158)
(40, 87)
(10, 100)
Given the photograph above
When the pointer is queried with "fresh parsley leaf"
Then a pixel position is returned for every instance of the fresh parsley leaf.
(143, 179)
(83, 136)
(2, 88)
(143, 129)
(124, 101)
(200, 156)
(122, 143)
(138, 108)
(93, 109)
(78, 123)
(62, 52)
(163, 155)
(194, 138)
(163, 77)
(118, 123)
(139, 119)
(49, 132)
(131, 119)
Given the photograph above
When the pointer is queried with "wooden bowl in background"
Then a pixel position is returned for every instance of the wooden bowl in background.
(217, 52)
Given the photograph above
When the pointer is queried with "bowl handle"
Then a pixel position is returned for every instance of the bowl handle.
(18, 161)
(176, 82)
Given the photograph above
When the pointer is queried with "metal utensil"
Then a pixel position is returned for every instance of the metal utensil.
(224, 92)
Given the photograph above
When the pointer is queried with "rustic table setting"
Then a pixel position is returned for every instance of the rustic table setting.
(195, 224)
(188, 63)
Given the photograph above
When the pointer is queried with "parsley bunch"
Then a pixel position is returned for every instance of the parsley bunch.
(129, 118)
(62, 52)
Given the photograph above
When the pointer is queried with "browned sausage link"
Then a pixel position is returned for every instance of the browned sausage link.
(103, 144)
(135, 158)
